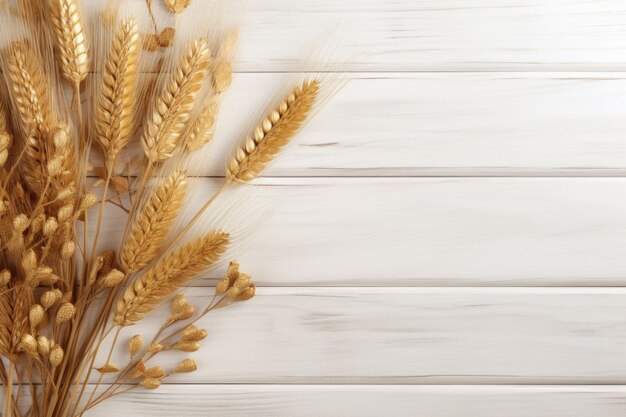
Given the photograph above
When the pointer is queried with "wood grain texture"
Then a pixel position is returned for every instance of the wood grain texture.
(410, 336)
(423, 231)
(451, 88)
(429, 35)
(371, 401)
(494, 124)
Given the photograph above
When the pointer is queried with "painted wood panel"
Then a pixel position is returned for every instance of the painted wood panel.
(410, 336)
(369, 401)
(495, 124)
(422, 231)
(428, 35)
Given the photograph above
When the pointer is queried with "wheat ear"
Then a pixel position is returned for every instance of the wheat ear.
(116, 104)
(200, 131)
(273, 133)
(172, 107)
(30, 98)
(169, 274)
(153, 223)
(70, 40)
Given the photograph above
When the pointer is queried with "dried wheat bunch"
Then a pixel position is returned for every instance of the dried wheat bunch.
(75, 93)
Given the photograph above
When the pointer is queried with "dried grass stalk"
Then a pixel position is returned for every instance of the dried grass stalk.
(168, 275)
(71, 41)
(116, 105)
(273, 133)
(154, 223)
(172, 107)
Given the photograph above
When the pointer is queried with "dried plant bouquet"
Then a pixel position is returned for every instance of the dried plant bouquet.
(142, 102)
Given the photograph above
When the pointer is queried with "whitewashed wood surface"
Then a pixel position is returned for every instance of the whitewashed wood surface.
(448, 234)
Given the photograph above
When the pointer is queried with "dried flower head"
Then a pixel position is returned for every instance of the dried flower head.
(188, 365)
(135, 345)
(150, 383)
(108, 368)
(50, 298)
(66, 312)
(43, 346)
(56, 356)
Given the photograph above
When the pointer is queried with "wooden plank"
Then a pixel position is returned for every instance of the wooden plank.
(408, 336)
(461, 124)
(421, 231)
(494, 124)
(425, 35)
(370, 401)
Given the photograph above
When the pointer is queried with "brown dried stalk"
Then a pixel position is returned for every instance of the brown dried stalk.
(173, 106)
(153, 223)
(168, 275)
(71, 41)
(273, 134)
(116, 105)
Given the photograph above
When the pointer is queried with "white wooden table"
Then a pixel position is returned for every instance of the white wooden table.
(451, 238)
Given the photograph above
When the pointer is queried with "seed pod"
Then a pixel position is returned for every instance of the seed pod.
(155, 372)
(50, 226)
(28, 344)
(113, 278)
(222, 286)
(56, 356)
(187, 346)
(150, 383)
(43, 346)
(135, 345)
(66, 193)
(179, 303)
(67, 250)
(193, 334)
(65, 313)
(109, 368)
(29, 262)
(49, 280)
(20, 223)
(50, 298)
(36, 315)
(247, 294)
(55, 166)
(65, 213)
(188, 365)
(138, 370)
(166, 37)
(156, 348)
(184, 314)
(37, 224)
(88, 201)
(5, 277)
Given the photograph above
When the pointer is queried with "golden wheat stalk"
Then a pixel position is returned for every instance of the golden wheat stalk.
(71, 41)
(168, 275)
(273, 133)
(30, 99)
(172, 107)
(114, 114)
(153, 224)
